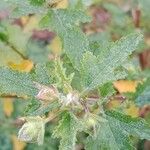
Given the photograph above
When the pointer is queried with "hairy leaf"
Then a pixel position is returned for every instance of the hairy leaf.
(25, 84)
(67, 130)
(107, 90)
(65, 23)
(45, 108)
(7, 55)
(114, 134)
(99, 70)
(15, 83)
(21, 8)
(42, 74)
(37, 2)
(37, 51)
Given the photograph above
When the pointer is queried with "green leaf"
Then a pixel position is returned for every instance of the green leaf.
(107, 90)
(37, 51)
(49, 144)
(45, 108)
(119, 16)
(32, 107)
(82, 4)
(5, 141)
(96, 71)
(37, 2)
(7, 55)
(142, 95)
(24, 84)
(19, 8)
(75, 44)
(4, 5)
(99, 41)
(3, 35)
(66, 24)
(67, 130)
(114, 134)
(14, 33)
(9, 35)
(62, 20)
(144, 5)
(13, 82)
(42, 74)
(94, 74)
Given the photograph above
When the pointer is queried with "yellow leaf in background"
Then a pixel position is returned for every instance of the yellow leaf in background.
(24, 66)
(113, 104)
(63, 4)
(31, 24)
(24, 20)
(133, 111)
(124, 86)
(7, 55)
(8, 107)
(17, 144)
(56, 45)
(147, 40)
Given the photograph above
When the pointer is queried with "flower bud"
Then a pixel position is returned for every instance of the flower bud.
(46, 93)
(70, 98)
(92, 119)
(33, 130)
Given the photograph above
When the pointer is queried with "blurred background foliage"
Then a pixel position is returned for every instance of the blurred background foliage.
(23, 43)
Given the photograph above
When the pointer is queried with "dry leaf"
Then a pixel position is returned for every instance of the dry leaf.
(31, 24)
(17, 144)
(8, 106)
(63, 4)
(24, 66)
(147, 40)
(132, 110)
(56, 45)
(113, 104)
(124, 86)
(22, 21)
